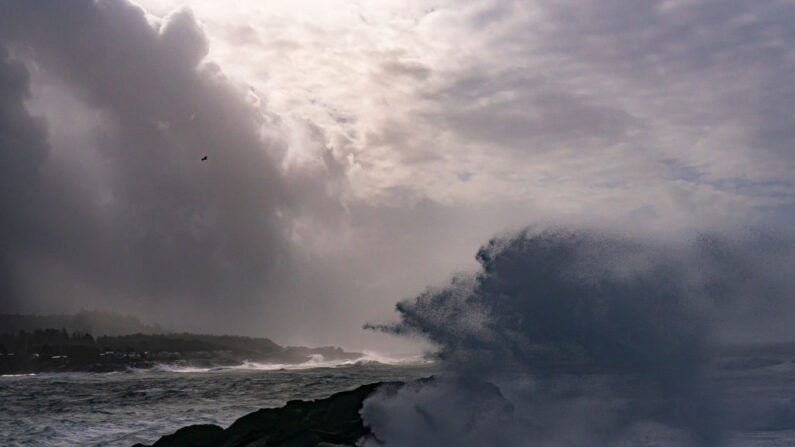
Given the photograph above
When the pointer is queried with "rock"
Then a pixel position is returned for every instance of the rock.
(334, 421)
(207, 435)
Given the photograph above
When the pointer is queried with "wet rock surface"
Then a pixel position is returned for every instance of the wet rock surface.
(333, 421)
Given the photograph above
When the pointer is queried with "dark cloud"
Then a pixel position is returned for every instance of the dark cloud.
(24, 146)
(170, 232)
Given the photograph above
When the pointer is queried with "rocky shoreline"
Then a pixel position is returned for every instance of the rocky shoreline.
(333, 421)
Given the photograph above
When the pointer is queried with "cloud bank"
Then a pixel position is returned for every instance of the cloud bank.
(150, 224)
(358, 151)
(666, 113)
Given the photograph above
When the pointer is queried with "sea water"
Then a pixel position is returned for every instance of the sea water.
(123, 408)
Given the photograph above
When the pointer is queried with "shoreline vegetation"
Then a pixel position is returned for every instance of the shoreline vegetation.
(59, 350)
(94, 322)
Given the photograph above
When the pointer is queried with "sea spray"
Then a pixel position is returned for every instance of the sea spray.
(589, 339)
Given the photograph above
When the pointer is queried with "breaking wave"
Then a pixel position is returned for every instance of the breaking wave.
(581, 338)
(315, 361)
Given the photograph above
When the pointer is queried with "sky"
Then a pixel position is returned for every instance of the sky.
(359, 152)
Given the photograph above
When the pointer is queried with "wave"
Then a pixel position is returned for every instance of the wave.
(592, 338)
(170, 368)
(315, 361)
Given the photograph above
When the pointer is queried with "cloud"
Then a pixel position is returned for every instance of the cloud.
(335, 128)
(164, 229)
(411, 69)
(572, 105)
(24, 146)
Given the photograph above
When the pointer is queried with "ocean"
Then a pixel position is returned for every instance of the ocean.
(124, 408)
(757, 400)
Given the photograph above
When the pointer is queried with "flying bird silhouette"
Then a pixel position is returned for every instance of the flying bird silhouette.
(204, 158)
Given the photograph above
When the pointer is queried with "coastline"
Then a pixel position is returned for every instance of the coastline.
(56, 351)
(333, 421)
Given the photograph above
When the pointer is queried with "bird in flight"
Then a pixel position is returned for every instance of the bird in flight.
(204, 158)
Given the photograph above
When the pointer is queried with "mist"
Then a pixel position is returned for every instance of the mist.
(583, 337)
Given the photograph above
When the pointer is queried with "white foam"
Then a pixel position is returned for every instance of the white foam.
(315, 361)
(178, 369)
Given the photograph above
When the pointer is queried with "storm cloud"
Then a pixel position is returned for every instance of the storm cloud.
(160, 228)
(357, 152)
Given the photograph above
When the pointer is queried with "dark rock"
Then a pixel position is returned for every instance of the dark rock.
(323, 422)
(195, 436)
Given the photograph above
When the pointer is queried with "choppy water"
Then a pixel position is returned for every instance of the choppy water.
(121, 409)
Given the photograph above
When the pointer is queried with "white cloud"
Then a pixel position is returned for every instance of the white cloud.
(557, 102)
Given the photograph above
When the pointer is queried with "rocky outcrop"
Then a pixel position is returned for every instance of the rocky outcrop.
(334, 421)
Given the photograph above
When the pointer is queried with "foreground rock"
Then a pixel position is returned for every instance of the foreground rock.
(334, 421)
